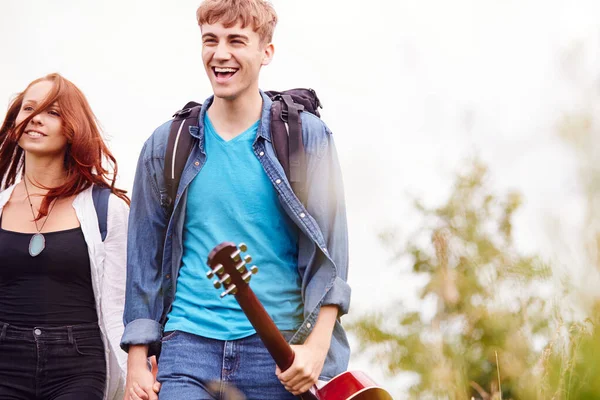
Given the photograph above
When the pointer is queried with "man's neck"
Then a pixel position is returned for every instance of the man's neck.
(232, 117)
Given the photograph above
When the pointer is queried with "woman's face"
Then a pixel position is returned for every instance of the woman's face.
(43, 135)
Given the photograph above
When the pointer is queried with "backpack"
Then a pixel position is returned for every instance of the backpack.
(100, 195)
(286, 134)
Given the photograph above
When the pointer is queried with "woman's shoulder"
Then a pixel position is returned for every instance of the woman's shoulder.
(117, 205)
(6, 193)
(117, 216)
(119, 201)
(108, 204)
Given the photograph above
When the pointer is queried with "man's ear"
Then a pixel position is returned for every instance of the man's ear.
(268, 54)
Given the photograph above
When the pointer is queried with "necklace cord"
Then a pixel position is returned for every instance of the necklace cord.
(31, 206)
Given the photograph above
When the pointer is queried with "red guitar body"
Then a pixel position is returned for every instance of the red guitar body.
(353, 385)
(227, 265)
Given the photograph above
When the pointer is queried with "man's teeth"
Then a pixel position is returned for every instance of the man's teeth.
(225, 70)
(34, 134)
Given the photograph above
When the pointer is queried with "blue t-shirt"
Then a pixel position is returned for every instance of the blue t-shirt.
(232, 199)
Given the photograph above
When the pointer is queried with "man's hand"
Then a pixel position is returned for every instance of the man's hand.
(309, 358)
(305, 370)
(141, 381)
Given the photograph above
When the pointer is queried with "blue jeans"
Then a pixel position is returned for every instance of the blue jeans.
(62, 363)
(195, 367)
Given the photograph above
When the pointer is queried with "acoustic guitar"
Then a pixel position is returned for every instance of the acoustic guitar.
(232, 274)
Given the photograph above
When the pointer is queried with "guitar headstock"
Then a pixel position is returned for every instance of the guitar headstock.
(226, 264)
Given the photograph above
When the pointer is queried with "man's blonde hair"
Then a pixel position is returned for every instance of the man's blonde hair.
(259, 14)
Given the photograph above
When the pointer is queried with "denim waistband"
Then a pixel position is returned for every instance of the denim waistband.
(48, 334)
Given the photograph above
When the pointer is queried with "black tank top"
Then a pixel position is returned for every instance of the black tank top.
(52, 289)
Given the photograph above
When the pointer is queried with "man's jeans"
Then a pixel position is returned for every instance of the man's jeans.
(62, 363)
(194, 367)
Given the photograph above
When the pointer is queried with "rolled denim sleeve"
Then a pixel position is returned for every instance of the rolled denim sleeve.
(144, 299)
(326, 203)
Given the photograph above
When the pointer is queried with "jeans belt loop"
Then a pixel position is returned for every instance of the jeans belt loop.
(70, 333)
(3, 333)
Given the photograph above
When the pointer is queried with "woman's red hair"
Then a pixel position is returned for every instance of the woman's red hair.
(86, 150)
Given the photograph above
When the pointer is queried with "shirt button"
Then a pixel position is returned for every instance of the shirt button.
(197, 163)
(262, 153)
(302, 215)
(278, 181)
(37, 332)
(308, 325)
(168, 276)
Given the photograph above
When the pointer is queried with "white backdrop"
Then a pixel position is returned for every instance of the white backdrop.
(410, 89)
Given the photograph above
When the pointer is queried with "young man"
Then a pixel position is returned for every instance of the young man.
(234, 189)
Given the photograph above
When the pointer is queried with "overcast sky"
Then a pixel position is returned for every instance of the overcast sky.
(410, 89)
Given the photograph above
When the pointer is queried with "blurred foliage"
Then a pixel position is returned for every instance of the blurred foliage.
(486, 315)
(571, 360)
(582, 133)
(490, 332)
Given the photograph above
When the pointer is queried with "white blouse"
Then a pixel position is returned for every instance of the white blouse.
(108, 262)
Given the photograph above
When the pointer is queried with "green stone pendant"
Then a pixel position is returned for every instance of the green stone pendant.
(37, 244)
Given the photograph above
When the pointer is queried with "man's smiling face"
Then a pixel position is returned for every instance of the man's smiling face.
(232, 58)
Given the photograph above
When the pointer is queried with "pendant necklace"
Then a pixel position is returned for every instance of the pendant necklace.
(38, 242)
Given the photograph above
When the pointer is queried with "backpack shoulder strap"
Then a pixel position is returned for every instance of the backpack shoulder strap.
(286, 133)
(179, 146)
(101, 195)
(279, 136)
(296, 144)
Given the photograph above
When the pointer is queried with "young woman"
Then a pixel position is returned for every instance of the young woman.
(62, 287)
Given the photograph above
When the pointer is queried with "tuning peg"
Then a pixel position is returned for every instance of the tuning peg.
(241, 267)
(235, 256)
(243, 247)
(231, 290)
(248, 275)
(218, 270)
(225, 279)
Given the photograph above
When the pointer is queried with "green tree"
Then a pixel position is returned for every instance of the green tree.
(486, 316)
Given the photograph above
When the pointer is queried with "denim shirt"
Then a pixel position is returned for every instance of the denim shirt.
(155, 239)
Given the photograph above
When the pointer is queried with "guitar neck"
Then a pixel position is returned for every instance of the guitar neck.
(275, 343)
(225, 263)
